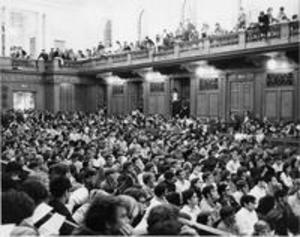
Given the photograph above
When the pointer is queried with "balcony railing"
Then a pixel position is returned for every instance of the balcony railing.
(283, 33)
(224, 40)
(24, 64)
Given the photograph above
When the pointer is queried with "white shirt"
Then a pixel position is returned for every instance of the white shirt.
(78, 197)
(182, 185)
(232, 166)
(245, 221)
(258, 192)
(192, 212)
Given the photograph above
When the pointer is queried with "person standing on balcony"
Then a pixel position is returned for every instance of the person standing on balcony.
(241, 19)
(264, 24)
(282, 17)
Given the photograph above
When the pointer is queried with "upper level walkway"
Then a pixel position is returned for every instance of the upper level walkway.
(283, 36)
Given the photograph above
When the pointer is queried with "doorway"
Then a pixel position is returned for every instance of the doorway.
(183, 88)
(23, 100)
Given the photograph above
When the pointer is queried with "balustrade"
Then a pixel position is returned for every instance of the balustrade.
(24, 64)
(136, 55)
(276, 31)
(224, 40)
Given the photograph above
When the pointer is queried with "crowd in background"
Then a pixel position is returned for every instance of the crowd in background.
(92, 174)
(186, 32)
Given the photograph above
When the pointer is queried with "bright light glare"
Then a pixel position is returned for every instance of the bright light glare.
(114, 80)
(207, 71)
(154, 77)
(272, 64)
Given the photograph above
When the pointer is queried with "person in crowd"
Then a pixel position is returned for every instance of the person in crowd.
(169, 181)
(246, 217)
(181, 184)
(43, 55)
(60, 192)
(259, 190)
(282, 17)
(264, 24)
(262, 228)
(228, 221)
(163, 220)
(191, 204)
(106, 216)
(209, 202)
(294, 199)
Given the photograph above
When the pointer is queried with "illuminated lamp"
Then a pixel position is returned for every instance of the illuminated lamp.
(207, 71)
(154, 77)
(272, 64)
(115, 80)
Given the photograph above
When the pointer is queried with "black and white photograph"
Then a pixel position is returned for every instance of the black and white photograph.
(150, 118)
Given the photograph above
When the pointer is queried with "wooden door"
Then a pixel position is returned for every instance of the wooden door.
(241, 97)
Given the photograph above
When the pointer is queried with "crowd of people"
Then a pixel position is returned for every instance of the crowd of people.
(186, 32)
(75, 173)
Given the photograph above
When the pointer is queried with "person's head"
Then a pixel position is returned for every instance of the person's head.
(196, 184)
(149, 179)
(170, 177)
(139, 195)
(208, 177)
(160, 190)
(174, 198)
(163, 220)
(261, 182)
(261, 228)
(223, 189)
(266, 204)
(90, 178)
(16, 206)
(36, 190)
(128, 167)
(106, 215)
(190, 198)
(209, 192)
(58, 170)
(248, 202)
(205, 218)
(180, 174)
(227, 214)
(149, 167)
(60, 188)
(242, 186)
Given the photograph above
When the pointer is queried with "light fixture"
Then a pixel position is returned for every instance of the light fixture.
(155, 77)
(207, 71)
(272, 64)
(115, 80)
